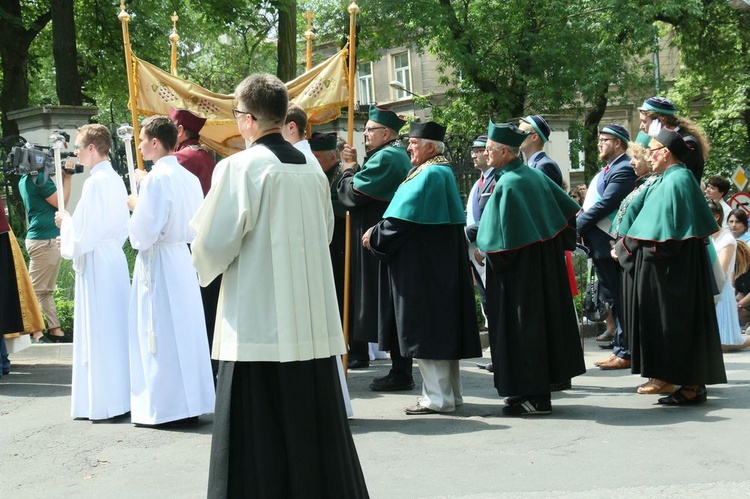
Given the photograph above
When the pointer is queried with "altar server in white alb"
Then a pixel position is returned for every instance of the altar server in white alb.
(170, 367)
(280, 426)
(93, 239)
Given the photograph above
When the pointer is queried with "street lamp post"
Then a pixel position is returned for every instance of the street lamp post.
(397, 85)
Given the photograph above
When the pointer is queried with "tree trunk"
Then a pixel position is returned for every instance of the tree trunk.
(15, 41)
(287, 44)
(591, 131)
(67, 77)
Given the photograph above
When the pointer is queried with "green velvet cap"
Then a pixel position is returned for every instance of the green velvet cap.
(507, 134)
(386, 117)
(643, 139)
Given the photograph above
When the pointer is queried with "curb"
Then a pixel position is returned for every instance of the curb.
(62, 351)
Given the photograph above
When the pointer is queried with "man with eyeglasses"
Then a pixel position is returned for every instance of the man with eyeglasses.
(526, 227)
(366, 192)
(93, 239)
(280, 427)
(607, 190)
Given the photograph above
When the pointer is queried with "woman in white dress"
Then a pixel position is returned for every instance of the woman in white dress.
(726, 308)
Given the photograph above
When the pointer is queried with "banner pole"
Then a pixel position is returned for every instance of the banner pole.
(124, 18)
(353, 10)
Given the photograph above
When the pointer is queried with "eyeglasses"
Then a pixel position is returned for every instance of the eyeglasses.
(236, 113)
(371, 129)
(79, 146)
(489, 149)
(656, 148)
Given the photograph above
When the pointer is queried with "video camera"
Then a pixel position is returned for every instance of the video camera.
(26, 158)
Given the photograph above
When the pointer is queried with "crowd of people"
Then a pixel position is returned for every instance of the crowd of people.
(244, 262)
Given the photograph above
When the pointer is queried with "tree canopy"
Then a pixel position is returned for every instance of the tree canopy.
(501, 59)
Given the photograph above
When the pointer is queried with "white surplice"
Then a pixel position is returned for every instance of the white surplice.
(266, 226)
(170, 367)
(93, 239)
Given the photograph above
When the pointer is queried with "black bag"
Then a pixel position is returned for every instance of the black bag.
(594, 306)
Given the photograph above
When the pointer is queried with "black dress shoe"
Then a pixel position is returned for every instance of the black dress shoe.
(392, 383)
(358, 364)
(607, 346)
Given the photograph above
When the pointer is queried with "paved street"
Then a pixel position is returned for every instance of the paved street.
(601, 440)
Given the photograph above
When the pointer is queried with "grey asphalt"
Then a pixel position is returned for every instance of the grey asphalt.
(601, 440)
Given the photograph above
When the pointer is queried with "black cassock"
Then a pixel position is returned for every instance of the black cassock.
(365, 212)
(533, 328)
(428, 282)
(669, 311)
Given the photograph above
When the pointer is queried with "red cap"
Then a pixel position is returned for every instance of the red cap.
(188, 119)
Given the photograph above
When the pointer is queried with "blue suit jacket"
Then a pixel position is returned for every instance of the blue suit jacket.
(548, 166)
(619, 181)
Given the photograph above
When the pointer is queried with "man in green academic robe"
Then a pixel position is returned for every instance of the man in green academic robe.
(526, 226)
(427, 301)
(366, 191)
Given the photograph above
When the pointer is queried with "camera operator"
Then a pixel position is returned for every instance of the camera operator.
(39, 196)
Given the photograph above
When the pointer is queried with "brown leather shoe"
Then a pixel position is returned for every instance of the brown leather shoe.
(656, 386)
(609, 359)
(616, 363)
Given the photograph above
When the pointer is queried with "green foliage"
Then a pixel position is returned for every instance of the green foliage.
(64, 307)
(721, 89)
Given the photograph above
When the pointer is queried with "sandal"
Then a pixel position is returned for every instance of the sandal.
(656, 386)
(680, 397)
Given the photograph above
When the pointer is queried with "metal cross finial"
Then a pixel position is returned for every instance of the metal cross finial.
(309, 16)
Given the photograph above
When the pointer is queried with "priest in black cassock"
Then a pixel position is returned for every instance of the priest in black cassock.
(669, 305)
(526, 226)
(422, 245)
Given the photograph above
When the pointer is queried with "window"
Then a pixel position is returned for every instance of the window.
(366, 89)
(402, 74)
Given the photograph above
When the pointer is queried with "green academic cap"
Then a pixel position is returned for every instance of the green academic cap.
(643, 139)
(507, 134)
(386, 117)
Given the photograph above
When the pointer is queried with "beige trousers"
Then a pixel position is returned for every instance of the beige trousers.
(43, 269)
(441, 384)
